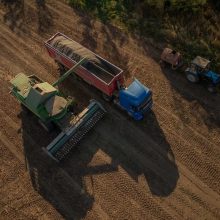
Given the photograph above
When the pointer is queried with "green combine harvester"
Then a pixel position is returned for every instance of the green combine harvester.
(53, 109)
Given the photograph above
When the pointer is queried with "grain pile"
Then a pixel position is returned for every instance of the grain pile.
(73, 49)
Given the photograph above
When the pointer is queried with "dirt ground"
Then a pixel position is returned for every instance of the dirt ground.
(165, 167)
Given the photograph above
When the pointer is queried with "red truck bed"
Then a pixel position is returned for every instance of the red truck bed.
(97, 71)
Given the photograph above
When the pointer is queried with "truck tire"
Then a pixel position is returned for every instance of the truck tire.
(192, 77)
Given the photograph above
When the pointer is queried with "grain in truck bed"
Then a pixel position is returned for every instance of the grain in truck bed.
(76, 51)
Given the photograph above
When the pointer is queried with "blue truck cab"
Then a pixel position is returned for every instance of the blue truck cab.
(136, 99)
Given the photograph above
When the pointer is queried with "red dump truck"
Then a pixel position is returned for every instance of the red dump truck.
(136, 99)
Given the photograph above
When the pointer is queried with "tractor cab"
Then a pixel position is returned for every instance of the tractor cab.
(200, 65)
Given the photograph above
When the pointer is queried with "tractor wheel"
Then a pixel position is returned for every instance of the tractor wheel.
(192, 77)
(211, 88)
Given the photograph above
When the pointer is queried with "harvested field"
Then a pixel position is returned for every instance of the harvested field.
(165, 167)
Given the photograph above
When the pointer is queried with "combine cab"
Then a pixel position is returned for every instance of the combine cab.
(171, 57)
(54, 110)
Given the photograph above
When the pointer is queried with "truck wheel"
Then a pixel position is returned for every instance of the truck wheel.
(192, 77)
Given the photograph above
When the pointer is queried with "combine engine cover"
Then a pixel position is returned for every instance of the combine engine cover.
(72, 135)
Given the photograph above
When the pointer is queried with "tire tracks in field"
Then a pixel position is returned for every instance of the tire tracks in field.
(186, 180)
(203, 163)
(192, 130)
(124, 189)
(23, 58)
(23, 200)
(11, 147)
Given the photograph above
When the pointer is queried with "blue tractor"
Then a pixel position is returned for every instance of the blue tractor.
(199, 69)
